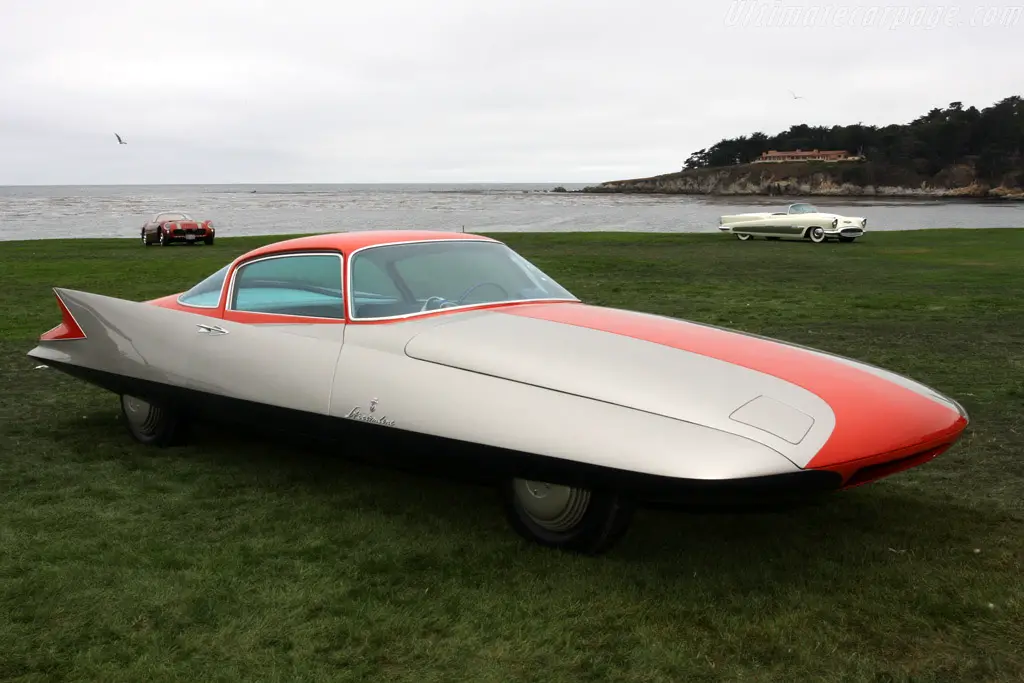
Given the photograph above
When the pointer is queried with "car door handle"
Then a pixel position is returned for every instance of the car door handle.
(210, 329)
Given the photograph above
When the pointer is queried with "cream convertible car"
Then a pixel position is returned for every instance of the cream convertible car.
(799, 221)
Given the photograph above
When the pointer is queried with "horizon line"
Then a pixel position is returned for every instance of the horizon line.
(295, 182)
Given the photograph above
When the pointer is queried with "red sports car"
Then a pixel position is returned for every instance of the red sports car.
(175, 226)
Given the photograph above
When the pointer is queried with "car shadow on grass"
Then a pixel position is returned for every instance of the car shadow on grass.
(881, 523)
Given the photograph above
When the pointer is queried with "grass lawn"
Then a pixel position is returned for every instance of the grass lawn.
(238, 559)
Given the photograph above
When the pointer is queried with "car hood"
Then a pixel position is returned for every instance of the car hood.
(748, 216)
(814, 408)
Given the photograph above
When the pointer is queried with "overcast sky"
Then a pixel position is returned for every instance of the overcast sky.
(221, 91)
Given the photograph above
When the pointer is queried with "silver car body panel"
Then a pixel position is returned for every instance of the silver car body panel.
(165, 346)
(362, 372)
(482, 376)
(631, 373)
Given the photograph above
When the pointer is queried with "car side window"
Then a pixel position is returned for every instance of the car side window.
(301, 284)
(206, 294)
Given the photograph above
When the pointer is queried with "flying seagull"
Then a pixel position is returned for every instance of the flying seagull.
(795, 96)
(119, 140)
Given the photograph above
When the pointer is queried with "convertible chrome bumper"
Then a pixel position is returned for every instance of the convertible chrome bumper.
(844, 232)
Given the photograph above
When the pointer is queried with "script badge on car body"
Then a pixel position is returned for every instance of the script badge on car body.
(357, 414)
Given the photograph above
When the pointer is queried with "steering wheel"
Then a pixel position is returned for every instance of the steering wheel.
(477, 286)
(426, 303)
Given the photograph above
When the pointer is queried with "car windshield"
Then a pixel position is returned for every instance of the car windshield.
(802, 208)
(178, 216)
(404, 279)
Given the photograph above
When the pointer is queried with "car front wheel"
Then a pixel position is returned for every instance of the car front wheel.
(566, 517)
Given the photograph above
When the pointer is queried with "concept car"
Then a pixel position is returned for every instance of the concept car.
(798, 221)
(472, 355)
(174, 226)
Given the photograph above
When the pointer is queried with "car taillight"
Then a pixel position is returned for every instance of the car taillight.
(68, 328)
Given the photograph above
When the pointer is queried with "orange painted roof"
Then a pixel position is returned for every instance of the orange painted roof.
(347, 242)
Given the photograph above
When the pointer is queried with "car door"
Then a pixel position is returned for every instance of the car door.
(788, 226)
(279, 336)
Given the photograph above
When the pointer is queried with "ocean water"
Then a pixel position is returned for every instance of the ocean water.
(49, 212)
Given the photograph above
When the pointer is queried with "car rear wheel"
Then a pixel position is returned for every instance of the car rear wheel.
(743, 237)
(150, 423)
(145, 239)
(817, 235)
(566, 517)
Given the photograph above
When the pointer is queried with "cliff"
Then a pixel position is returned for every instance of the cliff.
(853, 179)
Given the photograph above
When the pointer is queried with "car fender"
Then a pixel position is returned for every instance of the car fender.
(392, 391)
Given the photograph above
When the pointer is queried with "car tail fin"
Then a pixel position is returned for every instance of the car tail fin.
(67, 329)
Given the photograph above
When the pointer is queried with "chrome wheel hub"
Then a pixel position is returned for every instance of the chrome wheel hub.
(142, 416)
(552, 506)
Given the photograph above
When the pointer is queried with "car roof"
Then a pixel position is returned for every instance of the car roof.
(347, 242)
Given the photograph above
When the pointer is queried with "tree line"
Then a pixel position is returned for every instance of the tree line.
(991, 140)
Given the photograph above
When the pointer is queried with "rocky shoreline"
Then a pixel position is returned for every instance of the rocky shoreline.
(789, 180)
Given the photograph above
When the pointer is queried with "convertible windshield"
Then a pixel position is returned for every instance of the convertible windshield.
(802, 208)
(403, 279)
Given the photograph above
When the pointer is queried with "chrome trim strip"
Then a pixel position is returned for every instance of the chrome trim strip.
(337, 321)
(465, 307)
(210, 329)
(210, 308)
(350, 303)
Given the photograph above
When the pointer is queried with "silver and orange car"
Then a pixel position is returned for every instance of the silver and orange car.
(439, 347)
